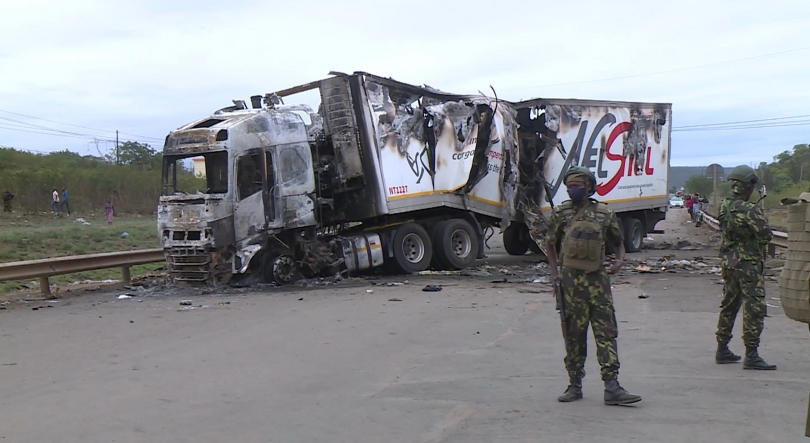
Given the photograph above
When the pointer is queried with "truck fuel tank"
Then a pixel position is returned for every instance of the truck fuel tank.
(362, 252)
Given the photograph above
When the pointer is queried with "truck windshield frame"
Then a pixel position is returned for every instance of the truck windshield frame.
(215, 180)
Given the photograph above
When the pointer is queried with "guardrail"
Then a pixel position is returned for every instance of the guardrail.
(780, 239)
(48, 267)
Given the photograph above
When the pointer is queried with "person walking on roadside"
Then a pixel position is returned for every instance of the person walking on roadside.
(742, 253)
(65, 202)
(584, 226)
(55, 201)
(689, 203)
(7, 197)
(109, 211)
(695, 207)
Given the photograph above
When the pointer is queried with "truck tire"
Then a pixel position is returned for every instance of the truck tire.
(412, 248)
(514, 239)
(280, 268)
(534, 247)
(455, 244)
(633, 234)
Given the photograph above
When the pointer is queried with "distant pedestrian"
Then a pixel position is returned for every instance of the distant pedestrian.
(7, 197)
(65, 202)
(55, 202)
(109, 211)
(689, 203)
(695, 207)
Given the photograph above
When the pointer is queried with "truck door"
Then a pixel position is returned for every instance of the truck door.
(250, 210)
(297, 183)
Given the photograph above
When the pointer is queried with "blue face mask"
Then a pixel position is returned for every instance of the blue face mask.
(577, 195)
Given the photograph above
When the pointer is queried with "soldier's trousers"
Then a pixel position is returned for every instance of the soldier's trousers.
(588, 300)
(743, 285)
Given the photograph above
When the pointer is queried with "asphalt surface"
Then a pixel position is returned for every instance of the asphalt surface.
(476, 362)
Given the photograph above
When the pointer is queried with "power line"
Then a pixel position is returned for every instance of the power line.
(36, 129)
(2, 126)
(742, 121)
(45, 128)
(773, 122)
(685, 68)
(732, 128)
(79, 126)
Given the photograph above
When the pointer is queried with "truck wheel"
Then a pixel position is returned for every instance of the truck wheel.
(280, 268)
(412, 248)
(633, 234)
(456, 244)
(513, 241)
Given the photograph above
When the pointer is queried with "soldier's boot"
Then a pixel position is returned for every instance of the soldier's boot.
(616, 395)
(724, 355)
(754, 361)
(573, 392)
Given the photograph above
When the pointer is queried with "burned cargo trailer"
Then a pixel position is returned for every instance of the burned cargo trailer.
(388, 174)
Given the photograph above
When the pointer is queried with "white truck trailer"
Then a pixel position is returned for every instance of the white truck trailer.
(385, 173)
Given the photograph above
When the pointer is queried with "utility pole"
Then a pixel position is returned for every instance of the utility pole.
(117, 155)
(714, 192)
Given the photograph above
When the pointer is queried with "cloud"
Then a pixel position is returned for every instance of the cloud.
(149, 67)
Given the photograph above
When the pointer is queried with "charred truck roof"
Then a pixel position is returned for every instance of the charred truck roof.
(213, 133)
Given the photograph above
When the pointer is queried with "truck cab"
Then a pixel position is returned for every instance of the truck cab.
(258, 180)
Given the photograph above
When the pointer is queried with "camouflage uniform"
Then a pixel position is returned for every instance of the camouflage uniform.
(587, 296)
(742, 253)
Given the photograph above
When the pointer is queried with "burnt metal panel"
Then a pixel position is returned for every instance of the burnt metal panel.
(340, 123)
(222, 231)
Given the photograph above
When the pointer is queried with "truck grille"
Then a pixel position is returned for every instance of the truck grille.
(187, 264)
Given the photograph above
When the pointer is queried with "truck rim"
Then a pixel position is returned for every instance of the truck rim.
(413, 248)
(461, 243)
(284, 269)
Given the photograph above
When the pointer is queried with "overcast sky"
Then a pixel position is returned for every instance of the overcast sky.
(147, 67)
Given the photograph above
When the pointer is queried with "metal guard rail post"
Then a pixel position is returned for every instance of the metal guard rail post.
(780, 239)
(48, 267)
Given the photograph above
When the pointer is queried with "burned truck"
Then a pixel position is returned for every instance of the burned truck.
(384, 173)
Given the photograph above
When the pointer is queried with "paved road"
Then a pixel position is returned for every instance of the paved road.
(477, 362)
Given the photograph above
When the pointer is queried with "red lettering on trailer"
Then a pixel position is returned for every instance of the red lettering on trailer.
(604, 188)
(397, 190)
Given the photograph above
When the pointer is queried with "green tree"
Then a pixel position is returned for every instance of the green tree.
(699, 184)
(138, 154)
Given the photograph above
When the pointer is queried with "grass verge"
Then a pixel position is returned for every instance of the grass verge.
(32, 236)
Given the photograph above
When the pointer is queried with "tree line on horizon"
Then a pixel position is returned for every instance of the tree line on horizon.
(787, 175)
(131, 179)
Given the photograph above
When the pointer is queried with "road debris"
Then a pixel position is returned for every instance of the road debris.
(186, 302)
(125, 296)
(432, 288)
(394, 299)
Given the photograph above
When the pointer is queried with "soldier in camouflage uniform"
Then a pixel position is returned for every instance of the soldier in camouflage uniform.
(583, 226)
(742, 253)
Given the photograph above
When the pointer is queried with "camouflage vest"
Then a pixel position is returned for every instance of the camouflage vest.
(583, 245)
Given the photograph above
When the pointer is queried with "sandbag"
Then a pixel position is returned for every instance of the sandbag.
(794, 282)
